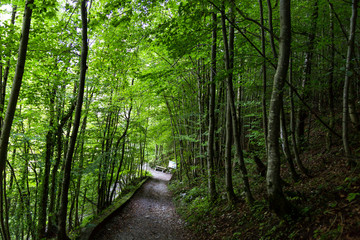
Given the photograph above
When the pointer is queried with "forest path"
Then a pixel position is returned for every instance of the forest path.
(150, 214)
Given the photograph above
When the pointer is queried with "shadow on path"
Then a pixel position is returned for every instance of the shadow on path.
(150, 214)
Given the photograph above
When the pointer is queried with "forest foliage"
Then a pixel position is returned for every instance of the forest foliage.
(234, 92)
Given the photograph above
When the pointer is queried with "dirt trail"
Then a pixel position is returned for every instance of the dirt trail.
(150, 214)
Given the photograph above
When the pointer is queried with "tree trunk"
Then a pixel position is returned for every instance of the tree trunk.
(210, 159)
(44, 193)
(122, 137)
(15, 90)
(11, 108)
(6, 73)
(276, 198)
(4, 230)
(228, 165)
(70, 151)
(272, 42)
(263, 50)
(200, 84)
(331, 82)
(293, 128)
(81, 165)
(285, 142)
(348, 77)
(302, 113)
(353, 114)
(229, 51)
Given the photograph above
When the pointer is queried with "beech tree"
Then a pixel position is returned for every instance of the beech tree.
(75, 128)
(277, 200)
(229, 64)
(212, 97)
(11, 108)
(347, 82)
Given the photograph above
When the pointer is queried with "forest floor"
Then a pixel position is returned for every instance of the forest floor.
(150, 214)
(327, 202)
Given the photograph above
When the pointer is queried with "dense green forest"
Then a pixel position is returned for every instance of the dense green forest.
(256, 101)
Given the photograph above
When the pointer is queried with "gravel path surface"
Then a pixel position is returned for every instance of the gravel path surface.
(150, 214)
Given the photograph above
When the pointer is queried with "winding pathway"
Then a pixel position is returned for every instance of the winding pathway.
(150, 214)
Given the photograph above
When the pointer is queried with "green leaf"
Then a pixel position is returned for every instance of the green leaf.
(352, 196)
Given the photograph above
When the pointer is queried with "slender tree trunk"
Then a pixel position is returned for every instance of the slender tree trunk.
(104, 164)
(174, 131)
(276, 198)
(348, 77)
(6, 74)
(25, 196)
(229, 51)
(302, 113)
(7, 228)
(81, 161)
(11, 108)
(331, 82)
(68, 160)
(113, 192)
(271, 28)
(81, 164)
(263, 49)
(200, 84)
(44, 193)
(51, 216)
(239, 98)
(210, 159)
(4, 230)
(71, 211)
(175, 148)
(285, 142)
(123, 136)
(60, 182)
(353, 114)
(228, 156)
(55, 190)
(15, 90)
(219, 121)
(293, 127)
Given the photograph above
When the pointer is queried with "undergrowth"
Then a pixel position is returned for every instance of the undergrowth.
(328, 203)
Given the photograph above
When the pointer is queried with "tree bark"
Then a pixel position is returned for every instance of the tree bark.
(11, 108)
(348, 75)
(6, 73)
(263, 49)
(44, 193)
(210, 159)
(302, 113)
(293, 127)
(122, 137)
(81, 163)
(286, 149)
(15, 90)
(229, 51)
(70, 151)
(276, 198)
(331, 81)
(271, 28)
(228, 166)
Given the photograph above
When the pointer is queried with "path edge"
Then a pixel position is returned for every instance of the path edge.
(87, 231)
